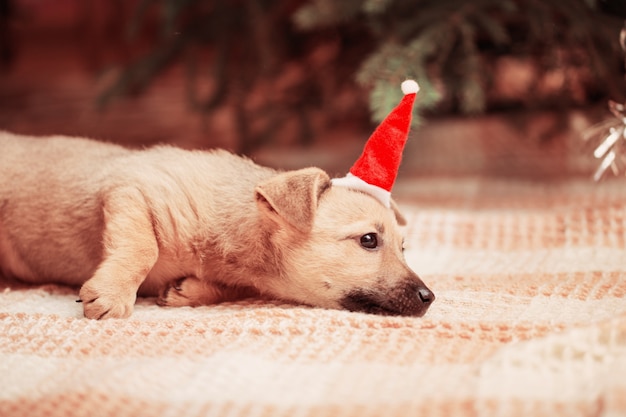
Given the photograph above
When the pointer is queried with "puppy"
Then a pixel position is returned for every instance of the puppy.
(194, 228)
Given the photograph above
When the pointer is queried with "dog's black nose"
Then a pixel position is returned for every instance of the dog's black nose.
(410, 298)
(425, 295)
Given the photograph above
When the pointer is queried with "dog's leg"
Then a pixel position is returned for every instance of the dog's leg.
(130, 251)
(193, 292)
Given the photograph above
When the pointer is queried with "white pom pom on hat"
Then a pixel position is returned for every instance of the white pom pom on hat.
(376, 169)
(409, 87)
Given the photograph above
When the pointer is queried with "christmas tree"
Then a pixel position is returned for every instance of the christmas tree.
(565, 50)
(451, 47)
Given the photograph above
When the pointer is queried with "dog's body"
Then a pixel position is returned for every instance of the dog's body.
(195, 227)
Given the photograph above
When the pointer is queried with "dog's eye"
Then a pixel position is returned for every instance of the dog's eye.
(369, 241)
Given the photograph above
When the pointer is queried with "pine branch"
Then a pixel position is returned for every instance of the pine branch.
(445, 45)
(324, 13)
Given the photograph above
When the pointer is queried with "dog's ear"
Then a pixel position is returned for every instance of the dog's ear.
(292, 197)
(399, 216)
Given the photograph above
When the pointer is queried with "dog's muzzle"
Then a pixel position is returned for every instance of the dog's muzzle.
(410, 298)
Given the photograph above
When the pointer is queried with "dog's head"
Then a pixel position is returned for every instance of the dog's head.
(338, 248)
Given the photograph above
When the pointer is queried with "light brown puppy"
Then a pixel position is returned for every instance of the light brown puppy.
(194, 227)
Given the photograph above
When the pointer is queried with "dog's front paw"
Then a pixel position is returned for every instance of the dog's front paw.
(105, 302)
(179, 293)
(194, 292)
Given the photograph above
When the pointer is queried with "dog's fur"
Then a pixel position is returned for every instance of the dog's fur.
(194, 228)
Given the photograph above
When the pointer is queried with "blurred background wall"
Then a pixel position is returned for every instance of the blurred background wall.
(508, 86)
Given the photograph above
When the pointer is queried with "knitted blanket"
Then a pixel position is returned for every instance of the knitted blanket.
(530, 319)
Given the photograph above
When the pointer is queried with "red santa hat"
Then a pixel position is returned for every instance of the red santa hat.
(376, 169)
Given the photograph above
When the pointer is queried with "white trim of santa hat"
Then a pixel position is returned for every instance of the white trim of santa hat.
(376, 169)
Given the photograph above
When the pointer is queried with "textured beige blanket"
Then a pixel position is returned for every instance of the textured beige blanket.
(530, 320)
